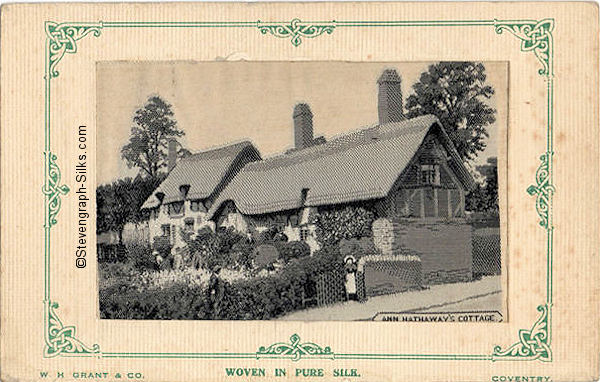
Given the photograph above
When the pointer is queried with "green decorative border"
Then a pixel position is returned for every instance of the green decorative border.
(535, 36)
(294, 350)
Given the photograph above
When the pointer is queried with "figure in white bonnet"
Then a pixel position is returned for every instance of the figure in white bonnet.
(350, 268)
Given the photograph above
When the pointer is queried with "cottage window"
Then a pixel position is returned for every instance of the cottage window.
(430, 174)
(304, 233)
(166, 230)
(189, 224)
(196, 205)
(175, 208)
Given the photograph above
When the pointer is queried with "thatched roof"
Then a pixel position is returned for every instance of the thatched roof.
(205, 173)
(358, 166)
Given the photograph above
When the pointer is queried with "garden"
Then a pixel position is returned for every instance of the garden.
(231, 276)
(227, 275)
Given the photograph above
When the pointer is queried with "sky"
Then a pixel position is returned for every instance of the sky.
(217, 103)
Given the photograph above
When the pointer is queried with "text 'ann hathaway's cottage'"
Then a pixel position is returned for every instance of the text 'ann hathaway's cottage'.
(406, 170)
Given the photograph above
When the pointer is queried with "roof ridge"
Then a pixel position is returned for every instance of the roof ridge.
(353, 167)
(203, 171)
(341, 143)
(226, 148)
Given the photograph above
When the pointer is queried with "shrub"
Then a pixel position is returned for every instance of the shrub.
(115, 274)
(178, 302)
(263, 297)
(265, 255)
(201, 247)
(140, 255)
(269, 297)
(271, 235)
(162, 245)
(293, 250)
(325, 259)
(243, 254)
(223, 248)
(347, 223)
(228, 238)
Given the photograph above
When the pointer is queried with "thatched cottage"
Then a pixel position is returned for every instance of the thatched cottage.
(403, 168)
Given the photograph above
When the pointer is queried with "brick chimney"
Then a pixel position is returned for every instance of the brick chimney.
(390, 97)
(303, 126)
(172, 154)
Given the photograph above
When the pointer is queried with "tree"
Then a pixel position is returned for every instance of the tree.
(154, 126)
(455, 93)
(484, 198)
(113, 207)
(120, 202)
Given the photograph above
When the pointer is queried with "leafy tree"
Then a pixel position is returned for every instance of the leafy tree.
(120, 202)
(113, 207)
(455, 93)
(154, 126)
(484, 198)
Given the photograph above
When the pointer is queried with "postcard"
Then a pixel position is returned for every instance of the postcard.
(300, 191)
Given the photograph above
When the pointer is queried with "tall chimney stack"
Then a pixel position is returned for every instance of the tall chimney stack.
(172, 154)
(390, 97)
(303, 126)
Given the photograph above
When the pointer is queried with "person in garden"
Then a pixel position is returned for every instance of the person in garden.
(215, 292)
(350, 268)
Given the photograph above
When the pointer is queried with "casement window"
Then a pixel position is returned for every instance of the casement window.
(196, 205)
(304, 233)
(176, 209)
(430, 174)
(166, 230)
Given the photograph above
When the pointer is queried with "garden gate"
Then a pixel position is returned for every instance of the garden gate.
(331, 287)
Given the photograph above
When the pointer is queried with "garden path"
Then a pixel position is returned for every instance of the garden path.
(484, 294)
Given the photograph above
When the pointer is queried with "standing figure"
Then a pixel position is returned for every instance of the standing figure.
(350, 268)
(215, 292)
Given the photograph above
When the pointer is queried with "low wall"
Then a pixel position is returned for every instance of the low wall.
(444, 246)
(389, 274)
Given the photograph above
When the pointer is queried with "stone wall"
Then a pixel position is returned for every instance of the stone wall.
(444, 246)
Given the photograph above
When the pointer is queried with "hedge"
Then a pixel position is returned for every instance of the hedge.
(254, 299)
(178, 302)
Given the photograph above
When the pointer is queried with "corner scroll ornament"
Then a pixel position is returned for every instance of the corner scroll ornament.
(535, 36)
(533, 344)
(61, 339)
(296, 29)
(294, 350)
(62, 38)
(544, 190)
(53, 189)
